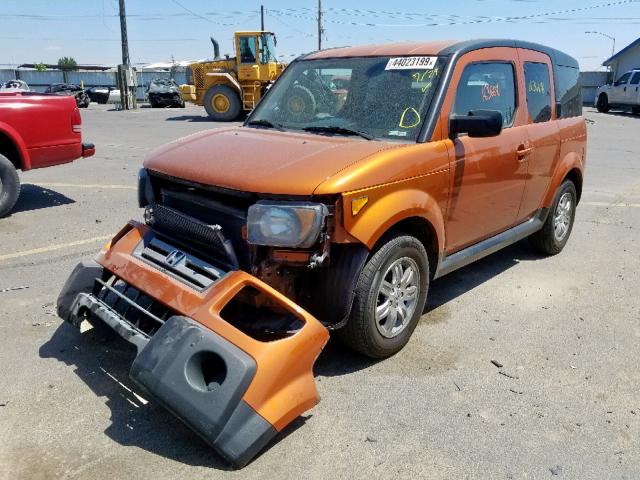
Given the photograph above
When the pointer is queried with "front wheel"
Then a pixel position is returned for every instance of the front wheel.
(391, 293)
(554, 234)
(222, 103)
(603, 103)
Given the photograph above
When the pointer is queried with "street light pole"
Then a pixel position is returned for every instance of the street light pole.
(613, 47)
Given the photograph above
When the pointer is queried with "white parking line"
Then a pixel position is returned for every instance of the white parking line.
(86, 185)
(51, 248)
(608, 204)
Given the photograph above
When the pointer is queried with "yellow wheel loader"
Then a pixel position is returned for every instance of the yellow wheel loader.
(228, 86)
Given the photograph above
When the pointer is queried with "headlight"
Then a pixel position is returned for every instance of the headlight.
(145, 191)
(285, 224)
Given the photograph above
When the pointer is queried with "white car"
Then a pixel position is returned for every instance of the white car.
(15, 86)
(621, 94)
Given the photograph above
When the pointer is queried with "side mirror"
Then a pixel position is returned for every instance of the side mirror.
(478, 123)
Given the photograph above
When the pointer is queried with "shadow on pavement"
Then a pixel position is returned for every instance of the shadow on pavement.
(34, 197)
(189, 118)
(336, 359)
(103, 365)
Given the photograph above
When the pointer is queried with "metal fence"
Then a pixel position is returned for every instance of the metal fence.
(38, 81)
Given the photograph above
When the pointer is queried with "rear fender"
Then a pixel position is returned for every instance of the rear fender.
(571, 161)
(24, 162)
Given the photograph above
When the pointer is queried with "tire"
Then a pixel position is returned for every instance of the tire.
(547, 240)
(635, 110)
(9, 186)
(603, 103)
(365, 333)
(301, 104)
(222, 103)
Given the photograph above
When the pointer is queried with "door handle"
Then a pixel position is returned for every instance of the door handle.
(523, 151)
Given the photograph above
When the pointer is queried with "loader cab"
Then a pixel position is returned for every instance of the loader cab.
(255, 54)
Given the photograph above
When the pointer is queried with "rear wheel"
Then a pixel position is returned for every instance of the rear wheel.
(222, 103)
(636, 110)
(391, 292)
(9, 186)
(603, 103)
(555, 232)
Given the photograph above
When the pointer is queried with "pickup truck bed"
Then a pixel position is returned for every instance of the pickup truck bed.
(36, 131)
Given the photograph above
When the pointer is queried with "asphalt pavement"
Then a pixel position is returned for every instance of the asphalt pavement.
(566, 330)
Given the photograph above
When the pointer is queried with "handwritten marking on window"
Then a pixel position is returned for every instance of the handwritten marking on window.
(409, 114)
(490, 91)
(536, 87)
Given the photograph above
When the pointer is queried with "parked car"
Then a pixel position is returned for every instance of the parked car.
(36, 131)
(15, 86)
(163, 92)
(104, 95)
(331, 212)
(69, 89)
(622, 94)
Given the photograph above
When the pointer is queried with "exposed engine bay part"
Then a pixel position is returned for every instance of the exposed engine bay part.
(81, 96)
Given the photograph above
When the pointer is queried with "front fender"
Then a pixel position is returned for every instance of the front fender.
(389, 204)
(14, 136)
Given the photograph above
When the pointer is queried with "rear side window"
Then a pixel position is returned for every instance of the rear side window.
(568, 92)
(487, 86)
(635, 80)
(536, 77)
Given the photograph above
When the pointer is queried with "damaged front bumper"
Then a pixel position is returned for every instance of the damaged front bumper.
(235, 389)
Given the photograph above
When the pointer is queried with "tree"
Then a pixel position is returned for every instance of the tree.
(40, 67)
(67, 63)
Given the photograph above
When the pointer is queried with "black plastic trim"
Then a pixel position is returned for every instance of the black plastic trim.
(486, 247)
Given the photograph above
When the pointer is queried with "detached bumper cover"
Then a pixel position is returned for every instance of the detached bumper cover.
(200, 376)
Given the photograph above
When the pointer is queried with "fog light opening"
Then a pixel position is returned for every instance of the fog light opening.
(206, 371)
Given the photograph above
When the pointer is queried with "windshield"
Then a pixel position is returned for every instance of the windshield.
(381, 97)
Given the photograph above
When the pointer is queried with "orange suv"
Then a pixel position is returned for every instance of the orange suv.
(363, 174)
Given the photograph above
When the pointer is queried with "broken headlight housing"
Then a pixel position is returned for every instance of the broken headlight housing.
(285, 224)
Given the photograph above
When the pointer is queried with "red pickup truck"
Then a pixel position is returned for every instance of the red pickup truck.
(36, 131)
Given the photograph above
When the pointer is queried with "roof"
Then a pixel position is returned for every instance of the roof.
(621, 52)
(443, 48)
(398, 48)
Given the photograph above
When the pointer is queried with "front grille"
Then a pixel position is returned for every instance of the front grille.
(189, 229)
(210, 206)
(184, 266)
(142, 312)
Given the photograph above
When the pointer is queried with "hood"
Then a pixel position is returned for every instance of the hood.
(260, 161)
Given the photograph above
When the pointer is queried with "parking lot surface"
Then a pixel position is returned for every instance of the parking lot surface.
(566, 329)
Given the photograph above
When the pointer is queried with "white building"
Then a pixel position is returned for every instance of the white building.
(626, 59)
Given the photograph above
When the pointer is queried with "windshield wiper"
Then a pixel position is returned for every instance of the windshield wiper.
(337, 129)
(265, 123)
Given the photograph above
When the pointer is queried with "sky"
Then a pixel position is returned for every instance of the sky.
(159, 30)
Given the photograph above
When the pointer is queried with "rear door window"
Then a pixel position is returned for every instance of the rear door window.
(635, 80)
(487, 86)
(538, 87)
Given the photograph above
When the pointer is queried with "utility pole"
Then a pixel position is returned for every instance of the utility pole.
(320, 29)
(123, 34)
(262, 18)
(124, 71)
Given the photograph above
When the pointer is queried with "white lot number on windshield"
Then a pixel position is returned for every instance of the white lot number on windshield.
(411, 63)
